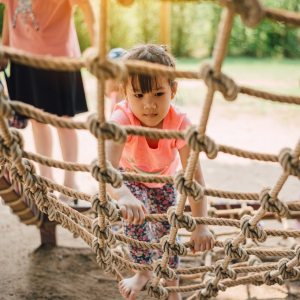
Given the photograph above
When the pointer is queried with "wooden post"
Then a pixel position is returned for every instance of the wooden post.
(165, 23)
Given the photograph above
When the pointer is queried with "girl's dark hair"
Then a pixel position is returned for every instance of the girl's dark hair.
(150, 53)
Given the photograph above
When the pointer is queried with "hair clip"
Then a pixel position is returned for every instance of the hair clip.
(165, 48)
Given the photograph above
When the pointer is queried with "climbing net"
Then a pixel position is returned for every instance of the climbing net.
(97, 232)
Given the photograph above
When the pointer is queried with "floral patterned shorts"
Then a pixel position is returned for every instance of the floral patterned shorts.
(156, 201)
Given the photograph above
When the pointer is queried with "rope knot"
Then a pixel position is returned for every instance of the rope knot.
(287, 272)
(297, 252)
(107, 208)
(222, 273)
(252, 232)
(28, 177)
(290, 164)
(39, 196)
(12, 149)
(5, 108)
(239, 252)
(177, 248)
(52, 213)
(201, 142)
(184, 221)
(223, 84)
(273, 205)
(104, 69)
(210, 290)
(106, 130)
(194, 190)
(164, 272)
(106, 233)
(111, 175)
(159, 292)
(104, 256)
(252, 12)
(268, 280)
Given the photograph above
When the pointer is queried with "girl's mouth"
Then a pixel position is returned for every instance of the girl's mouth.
(150, 115)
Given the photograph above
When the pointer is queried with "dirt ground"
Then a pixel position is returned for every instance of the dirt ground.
(69, 271)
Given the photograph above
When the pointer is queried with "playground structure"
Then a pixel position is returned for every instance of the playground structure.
(18, 170)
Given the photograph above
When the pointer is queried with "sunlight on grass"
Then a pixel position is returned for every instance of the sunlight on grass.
(281, 76)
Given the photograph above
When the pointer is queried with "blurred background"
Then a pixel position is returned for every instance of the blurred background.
(266, 57)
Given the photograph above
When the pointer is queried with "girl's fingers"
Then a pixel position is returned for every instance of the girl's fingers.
(136, 217)
(196, 247)
(142, 216)
(124, 212)
(202, 247)
(208, 246)
(212, 243)
(129, 215)
(144, 209)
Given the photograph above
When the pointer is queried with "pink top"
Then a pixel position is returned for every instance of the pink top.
(138, 157)
(47, 28)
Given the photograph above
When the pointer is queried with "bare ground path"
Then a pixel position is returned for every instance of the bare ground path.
(70, 270)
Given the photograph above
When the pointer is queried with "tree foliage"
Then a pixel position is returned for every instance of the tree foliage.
(194, 28)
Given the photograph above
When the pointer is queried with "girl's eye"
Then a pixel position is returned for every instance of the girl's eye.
(158, 94)
(138, 95)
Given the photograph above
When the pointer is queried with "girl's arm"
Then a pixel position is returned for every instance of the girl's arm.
(132, 209)
(89, 18)
(202, 237)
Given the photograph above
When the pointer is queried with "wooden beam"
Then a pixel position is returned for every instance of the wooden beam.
(165, 23)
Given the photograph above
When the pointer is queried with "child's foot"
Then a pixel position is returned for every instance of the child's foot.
(129, 288)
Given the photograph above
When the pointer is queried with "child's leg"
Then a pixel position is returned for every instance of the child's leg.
(160, 200)
(130, 287)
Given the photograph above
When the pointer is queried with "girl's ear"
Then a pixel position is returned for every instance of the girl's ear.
(174, 90)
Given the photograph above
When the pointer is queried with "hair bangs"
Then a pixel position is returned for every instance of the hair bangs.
(143, 83)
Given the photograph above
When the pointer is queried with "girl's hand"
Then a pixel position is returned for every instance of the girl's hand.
(202, 239)
(133, 210)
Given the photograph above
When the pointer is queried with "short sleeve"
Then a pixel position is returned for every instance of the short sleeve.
(184, 124)
(76, 2)
(120, 117)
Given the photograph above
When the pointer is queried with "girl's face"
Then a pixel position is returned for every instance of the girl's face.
(150, 108)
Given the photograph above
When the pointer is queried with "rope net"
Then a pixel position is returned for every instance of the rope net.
(97, 232)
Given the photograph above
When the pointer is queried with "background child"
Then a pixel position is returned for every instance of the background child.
(148, 104)
(112, 88)
(47, 28)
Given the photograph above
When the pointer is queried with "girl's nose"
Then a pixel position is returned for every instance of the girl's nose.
(149, 105)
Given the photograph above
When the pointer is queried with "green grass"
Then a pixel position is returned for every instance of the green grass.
(281, 76)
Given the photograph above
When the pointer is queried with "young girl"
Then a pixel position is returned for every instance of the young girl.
(148, 103)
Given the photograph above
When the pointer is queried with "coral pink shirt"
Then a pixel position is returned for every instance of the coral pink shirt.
(138, 157)
(56, 34)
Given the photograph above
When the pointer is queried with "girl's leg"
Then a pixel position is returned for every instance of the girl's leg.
(43, 144)
(160, 200)
(69, 149)
(130, 287)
